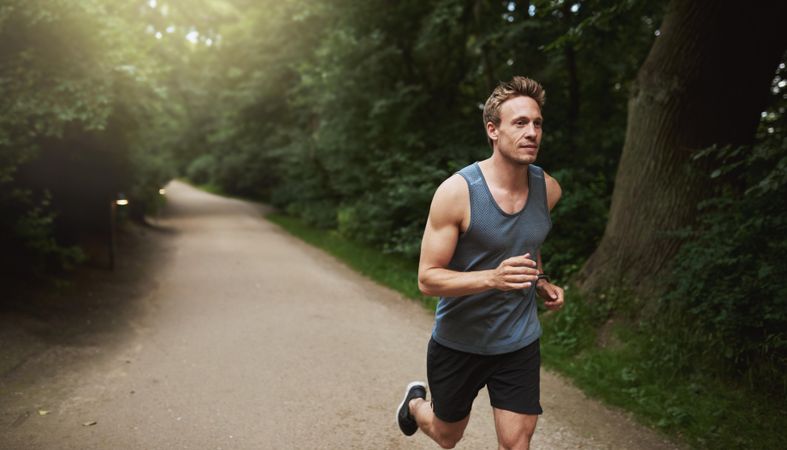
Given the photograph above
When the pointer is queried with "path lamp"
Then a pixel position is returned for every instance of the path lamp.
(119, 200)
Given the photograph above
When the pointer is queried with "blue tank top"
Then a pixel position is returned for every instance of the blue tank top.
(494, 321)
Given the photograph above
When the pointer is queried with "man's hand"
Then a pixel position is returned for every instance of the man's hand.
(517, 272)
(552, 294)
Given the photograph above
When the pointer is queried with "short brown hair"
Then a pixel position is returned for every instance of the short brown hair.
(518, 87)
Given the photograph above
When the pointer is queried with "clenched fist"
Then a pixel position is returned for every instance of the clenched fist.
(517, 272)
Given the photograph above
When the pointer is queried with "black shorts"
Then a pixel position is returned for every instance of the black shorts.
(455, 378)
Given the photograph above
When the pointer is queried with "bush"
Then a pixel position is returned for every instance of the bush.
(727, 303)
(200, 171)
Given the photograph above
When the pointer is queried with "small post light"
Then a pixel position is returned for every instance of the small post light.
(121, 200)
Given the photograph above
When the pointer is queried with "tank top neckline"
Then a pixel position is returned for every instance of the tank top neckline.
(492, 197)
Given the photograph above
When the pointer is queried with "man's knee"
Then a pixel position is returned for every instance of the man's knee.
(448, 441)
(447, 435)
(515, 442)
(514, 431)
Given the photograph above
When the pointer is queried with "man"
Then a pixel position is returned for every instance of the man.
(480, 254)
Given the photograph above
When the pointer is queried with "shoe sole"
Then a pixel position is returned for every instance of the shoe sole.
(404, 399)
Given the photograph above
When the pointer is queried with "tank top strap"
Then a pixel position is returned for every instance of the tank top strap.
(538, 187)
(472, 174)
(475, 184)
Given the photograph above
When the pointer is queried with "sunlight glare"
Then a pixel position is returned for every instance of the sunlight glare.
(193, 36)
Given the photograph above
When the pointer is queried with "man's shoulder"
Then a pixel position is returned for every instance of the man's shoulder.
(450, 200)
(453, 188)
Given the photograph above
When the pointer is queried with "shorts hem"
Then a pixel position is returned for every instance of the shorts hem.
(449, 419)
(537, 411)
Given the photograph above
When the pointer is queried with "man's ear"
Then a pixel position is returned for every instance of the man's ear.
(491, 131)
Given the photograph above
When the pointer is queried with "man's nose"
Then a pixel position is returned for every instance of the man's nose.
(530, 130)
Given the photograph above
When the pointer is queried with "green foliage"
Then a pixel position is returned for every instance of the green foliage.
(199, 170)
(353, 123)
(32, 230)
(85, 116)
(727, 303)
(706, 360)
(617, 358)
(578, 222)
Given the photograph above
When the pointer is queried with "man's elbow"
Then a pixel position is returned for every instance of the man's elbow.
(424, 287)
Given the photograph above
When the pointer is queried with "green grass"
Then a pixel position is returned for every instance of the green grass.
(397, 273)
(701, 410)
(207, 187)
(213, 189)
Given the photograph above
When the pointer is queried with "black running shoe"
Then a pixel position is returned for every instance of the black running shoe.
(416, 389)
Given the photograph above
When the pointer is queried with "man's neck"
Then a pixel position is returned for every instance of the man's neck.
(505, 174)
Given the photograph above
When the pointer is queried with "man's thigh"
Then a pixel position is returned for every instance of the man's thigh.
(454, 380)
(515, 384)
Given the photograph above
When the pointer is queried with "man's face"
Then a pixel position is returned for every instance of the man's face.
(519, 134)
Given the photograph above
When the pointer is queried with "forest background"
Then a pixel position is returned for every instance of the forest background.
(664, 127)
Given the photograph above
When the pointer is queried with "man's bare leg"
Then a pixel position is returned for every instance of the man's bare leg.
(446, 434)
(514, 430)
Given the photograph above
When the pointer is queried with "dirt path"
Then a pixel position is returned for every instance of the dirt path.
(227, 333)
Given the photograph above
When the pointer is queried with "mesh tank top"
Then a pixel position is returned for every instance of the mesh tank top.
(494, 321)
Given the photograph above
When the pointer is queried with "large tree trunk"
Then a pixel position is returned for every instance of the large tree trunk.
(704, 82)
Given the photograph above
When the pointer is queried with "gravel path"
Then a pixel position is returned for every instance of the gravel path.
(221, 331)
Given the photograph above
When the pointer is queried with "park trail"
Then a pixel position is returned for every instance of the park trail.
(218, 330)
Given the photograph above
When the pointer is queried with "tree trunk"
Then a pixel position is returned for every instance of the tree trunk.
(704, 82)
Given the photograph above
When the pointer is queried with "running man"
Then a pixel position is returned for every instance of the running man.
(480, 255)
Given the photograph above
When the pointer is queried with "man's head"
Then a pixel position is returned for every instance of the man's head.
(512, 118)
(517, 87)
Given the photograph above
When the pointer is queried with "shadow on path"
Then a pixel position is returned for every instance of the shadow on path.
(48, 329)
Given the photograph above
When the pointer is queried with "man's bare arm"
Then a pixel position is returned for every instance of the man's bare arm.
(450, 205)
(552, 294)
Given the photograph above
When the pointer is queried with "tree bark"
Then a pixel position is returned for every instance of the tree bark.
(705, 82)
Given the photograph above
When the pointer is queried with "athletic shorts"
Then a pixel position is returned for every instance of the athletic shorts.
(455, 378)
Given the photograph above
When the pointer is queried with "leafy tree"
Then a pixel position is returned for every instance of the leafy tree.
(685, 98)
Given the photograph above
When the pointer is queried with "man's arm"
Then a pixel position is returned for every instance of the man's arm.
(551, 293)
(450, 207)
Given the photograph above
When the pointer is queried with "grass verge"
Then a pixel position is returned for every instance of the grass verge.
(397, 273)
(699, 407)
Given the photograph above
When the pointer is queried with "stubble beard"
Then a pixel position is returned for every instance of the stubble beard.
(513, 158)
